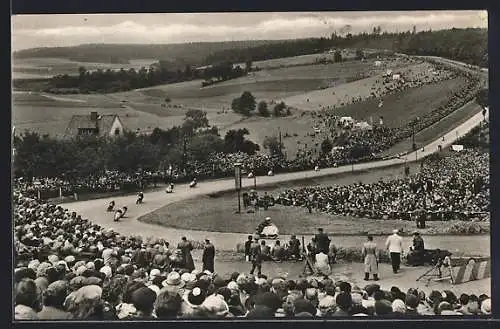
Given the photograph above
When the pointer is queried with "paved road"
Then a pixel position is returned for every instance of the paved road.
(95, 209)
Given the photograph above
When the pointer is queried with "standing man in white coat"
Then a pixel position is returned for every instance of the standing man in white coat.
(394, 245)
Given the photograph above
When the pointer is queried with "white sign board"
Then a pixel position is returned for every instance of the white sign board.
(396, 77)
(237, 175)
(457, 148)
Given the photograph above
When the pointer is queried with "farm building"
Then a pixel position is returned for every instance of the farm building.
(94, 124)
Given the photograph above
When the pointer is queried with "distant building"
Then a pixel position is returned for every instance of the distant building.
(94, 124)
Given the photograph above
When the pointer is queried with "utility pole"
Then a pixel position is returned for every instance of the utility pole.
(279, 134)
(184, 153)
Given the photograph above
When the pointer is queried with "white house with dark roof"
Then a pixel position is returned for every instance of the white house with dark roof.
(108, 125)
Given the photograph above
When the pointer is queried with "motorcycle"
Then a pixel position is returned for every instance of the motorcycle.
(111, 206)
(140, 197)
(118, 215)
(124, 211)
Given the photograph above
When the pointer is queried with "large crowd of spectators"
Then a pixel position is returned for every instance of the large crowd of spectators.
(452, 187)
(67, 268)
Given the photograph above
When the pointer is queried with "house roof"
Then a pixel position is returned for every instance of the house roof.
(104, 124)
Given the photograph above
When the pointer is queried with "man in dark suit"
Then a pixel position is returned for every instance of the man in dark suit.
(248, 248)
(322, 241)
(208, 256)
(186, 247)
(256, 253)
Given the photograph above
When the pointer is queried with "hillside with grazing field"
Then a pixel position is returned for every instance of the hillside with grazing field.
(353, 88)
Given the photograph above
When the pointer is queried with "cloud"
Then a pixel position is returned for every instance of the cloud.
(177, 28)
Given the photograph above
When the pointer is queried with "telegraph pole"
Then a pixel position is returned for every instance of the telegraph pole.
(279, 134)
(184, 153)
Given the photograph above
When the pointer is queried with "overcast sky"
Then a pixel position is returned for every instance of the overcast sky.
(30, 31)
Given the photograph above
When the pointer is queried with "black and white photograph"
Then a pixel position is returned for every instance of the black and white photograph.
(250, 165)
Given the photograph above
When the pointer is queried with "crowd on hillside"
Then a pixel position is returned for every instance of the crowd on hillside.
(352, 146)
(67, 268)
(453, 187)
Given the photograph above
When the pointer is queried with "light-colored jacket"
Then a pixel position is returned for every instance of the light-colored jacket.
(394, 243)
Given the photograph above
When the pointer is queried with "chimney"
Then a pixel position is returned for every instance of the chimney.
(93, 116)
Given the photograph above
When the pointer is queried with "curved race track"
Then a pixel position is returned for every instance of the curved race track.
(95, 209)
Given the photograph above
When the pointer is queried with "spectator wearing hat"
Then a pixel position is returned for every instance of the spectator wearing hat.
(398, 308)
(27, 299)
(174, 283)
(208, 256)
(394, 244)
(214, 306)
(192, 301)
(53, 302)
(186, 247)
(486, 306)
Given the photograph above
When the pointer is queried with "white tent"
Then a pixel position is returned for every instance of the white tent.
(345, 121)
(396, 77)
(363, 125)
(378, 63)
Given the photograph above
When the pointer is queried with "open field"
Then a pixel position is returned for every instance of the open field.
(48, 67)
(295, 85)
(266, 85)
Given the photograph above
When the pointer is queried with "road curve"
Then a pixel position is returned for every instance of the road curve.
(95, 209)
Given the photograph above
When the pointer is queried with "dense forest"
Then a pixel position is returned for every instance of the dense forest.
(180, 54)
(467, 45)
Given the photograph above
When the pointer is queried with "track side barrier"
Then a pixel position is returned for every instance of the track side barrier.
(474, 269)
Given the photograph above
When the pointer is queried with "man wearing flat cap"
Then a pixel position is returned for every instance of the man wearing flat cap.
(208, 256)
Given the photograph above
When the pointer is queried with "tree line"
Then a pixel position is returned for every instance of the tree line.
(193, 141)
(468, 45)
